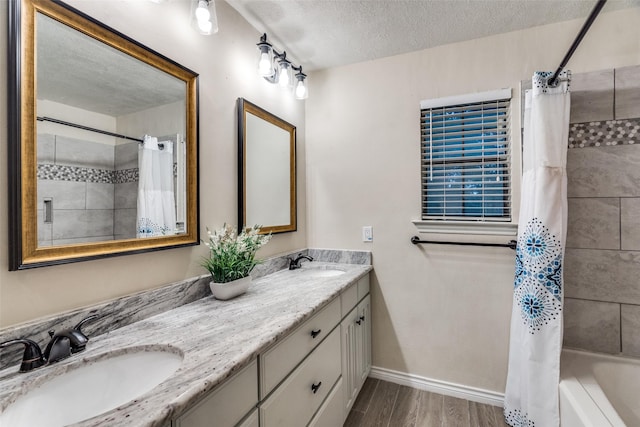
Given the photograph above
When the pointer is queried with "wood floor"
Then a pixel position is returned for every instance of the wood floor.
(385, 404)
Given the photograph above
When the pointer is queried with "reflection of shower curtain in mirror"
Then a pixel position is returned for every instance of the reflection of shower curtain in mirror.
(156, 200)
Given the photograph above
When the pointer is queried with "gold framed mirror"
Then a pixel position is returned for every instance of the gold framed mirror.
(90, 113)
(266, 170)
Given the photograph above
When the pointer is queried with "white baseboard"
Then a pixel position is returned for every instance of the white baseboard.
(438, 386)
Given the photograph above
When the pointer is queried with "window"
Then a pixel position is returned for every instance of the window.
(465, 151)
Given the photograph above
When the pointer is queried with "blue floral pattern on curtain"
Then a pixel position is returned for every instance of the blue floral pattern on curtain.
(531, 396)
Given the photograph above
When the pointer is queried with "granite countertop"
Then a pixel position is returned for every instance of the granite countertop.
(217, 339)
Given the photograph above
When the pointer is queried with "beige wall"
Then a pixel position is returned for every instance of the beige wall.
(226, 65)
(438, 312)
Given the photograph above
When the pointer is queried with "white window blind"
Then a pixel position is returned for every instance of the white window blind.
(465, 150)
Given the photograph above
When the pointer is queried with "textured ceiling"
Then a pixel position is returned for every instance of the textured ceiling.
(328, 33)
(74, 69)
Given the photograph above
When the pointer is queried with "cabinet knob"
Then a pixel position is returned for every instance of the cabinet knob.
(315, 333)
(359, 321)
(362, 318)
(315, 387)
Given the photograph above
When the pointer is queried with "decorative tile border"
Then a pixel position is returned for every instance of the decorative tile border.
(604, 133)
(53, 172)
(126, 175)
(74, 173)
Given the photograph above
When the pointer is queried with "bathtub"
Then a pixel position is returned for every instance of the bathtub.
(598, 390)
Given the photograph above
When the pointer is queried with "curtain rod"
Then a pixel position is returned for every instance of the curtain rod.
(75, 125)
(592, 17)
(512, 243)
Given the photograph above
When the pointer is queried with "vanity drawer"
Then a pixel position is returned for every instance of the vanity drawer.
(349, 299)
(363, 287)
(331, 413)
(294, 402)
(251, 420)
(227, 404)
(281, 359)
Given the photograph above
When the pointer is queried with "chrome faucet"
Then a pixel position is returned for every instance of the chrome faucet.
(61, 346)
(294, 264)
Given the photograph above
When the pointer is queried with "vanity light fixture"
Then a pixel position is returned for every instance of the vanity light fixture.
(301, 91)
(204, 17)
(276, 68)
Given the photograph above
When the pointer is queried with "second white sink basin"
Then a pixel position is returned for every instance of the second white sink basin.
(91, 389)
(313, 271)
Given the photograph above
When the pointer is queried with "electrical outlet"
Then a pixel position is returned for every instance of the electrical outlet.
(367, 233)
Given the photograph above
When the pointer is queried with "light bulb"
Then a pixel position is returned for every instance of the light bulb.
(283, 81)
(202, 11)
(205, 26)
(264, 66)
(301, 90)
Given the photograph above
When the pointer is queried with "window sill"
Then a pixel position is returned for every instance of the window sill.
(470, 227)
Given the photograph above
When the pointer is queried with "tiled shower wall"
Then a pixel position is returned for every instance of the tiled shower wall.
(93, 195)
(126, 190)
(81, 190)
(602, 261)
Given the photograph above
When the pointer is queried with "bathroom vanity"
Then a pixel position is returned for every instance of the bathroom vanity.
(293, 351)
(309, 377)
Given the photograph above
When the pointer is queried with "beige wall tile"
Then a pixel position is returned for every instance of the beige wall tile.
(627, 92)
(592, 96)
(125, 223)
(46, 148)
(602, 275)
(99, 195)
(594, 223)
(65, 194)
(630, 319)
(592, 325)
(76, 152)
(630, 223)
(604, 171)
(126, 195)
(71, 224)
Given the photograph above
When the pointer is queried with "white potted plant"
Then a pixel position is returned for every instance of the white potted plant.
(231, 258)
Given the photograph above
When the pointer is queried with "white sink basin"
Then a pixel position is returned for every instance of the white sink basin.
(321, 272)
(91, 389)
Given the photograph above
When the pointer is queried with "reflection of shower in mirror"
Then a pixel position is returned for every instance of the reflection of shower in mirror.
(88, 189)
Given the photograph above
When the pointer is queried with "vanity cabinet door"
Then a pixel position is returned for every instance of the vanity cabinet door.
(356, 351)
(363, 334)
(349, 359)
(226, 405)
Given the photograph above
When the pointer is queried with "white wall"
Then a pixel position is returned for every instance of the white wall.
(226, 64)
(440, 312)
(72, 114)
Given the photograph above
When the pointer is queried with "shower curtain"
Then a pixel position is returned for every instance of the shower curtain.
(156, 200)
(531, 397)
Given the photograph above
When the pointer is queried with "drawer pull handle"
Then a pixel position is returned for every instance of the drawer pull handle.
(315, 333)
(315, 387)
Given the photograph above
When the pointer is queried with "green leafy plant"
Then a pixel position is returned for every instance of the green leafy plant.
(232, 256)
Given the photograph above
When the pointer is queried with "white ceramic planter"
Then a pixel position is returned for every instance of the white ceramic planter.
(225, 291)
